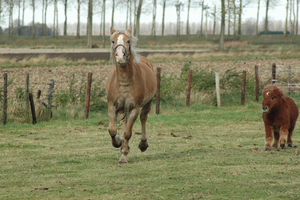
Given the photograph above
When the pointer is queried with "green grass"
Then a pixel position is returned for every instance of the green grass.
(213, 153)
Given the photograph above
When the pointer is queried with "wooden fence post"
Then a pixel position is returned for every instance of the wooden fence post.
(217, 78)
(27, 97)
(243, 87)
(5, 99)
(189, 85)
(88, 95)
(50, 95)
(273, 73)
(32, 108)
(158, 90)
(256, 83)
(289, 79)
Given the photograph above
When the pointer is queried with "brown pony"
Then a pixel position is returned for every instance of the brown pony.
(130, 87)
(280, 114)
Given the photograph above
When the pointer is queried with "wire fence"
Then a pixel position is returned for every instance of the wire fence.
(190, 86)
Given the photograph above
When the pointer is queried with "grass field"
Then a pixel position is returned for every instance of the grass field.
(194, 152)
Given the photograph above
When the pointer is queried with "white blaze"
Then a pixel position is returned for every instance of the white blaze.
(119, 50)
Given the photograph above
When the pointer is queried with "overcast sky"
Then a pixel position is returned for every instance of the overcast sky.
(276, 12)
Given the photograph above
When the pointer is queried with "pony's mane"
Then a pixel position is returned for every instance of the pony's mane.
(133, 41)
(270, 88)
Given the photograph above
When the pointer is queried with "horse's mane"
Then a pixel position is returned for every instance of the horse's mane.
(133, 41)
(274, 88)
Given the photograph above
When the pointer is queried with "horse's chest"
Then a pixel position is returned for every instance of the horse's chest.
(125, 101)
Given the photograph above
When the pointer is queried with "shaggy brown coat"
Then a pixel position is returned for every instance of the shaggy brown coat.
(280, 114)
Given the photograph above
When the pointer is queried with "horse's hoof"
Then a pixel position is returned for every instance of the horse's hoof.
(282, 145)
(143, 146)
(116, 142)
(290, 145)
(267, 149)
(122, 162)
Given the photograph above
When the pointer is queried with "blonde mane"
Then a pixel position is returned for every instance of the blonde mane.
(133, 41)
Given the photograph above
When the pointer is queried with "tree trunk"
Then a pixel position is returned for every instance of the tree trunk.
(103, 22)
(163, 18)
(19, 17)
(153, 31)
(291, 19)
(127, 13)
(78, 19)
(228, 25)
(240, 19)
(23, 18)
(43, 10)
(130, 11)
(11, 24)
(138, 16)
(113, 13)
(266, 18)
(297, 16)
(202, 9)
(90, 25)
(33, 17)
(54, 16)
(66, 18)
(134, 17)
(286, 17)
(45, 25)
(56, 19)
(257, 18)
(221, 44)
(188, 18)
(215, 16)
(234, 19)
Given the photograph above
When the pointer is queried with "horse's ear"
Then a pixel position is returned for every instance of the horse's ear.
(130, 30)
(279, 92)
(112, 30)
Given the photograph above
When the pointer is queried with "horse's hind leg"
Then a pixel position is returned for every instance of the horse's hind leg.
(112, 115)
(290, 135)
(143, 117)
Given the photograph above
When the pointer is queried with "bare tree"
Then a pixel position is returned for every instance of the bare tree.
(19, 17)
(221, 43)
(266, 18)
(188, 18)
(33, 18)
(45, 17)
(240, 18)
(103, 22)
(78, 19)
(178, 6)
(90, 24)
(23, 17)
(153, 30)
(163, 2)
(137, 25)
(286, 18)
(65, 2)
(228, 10)
(11, 24)
(113, 13)
(297, 15)
(257, 18)
(214, 14)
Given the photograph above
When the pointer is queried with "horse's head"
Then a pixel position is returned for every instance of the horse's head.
(272, 98)
(120, 46)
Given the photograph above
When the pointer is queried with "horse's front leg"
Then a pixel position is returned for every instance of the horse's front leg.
(143, 118)
(112, 115)
(283, 135)
(130, 118)
(269, 136)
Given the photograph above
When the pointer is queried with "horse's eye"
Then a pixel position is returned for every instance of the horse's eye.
(273, 98)
(128, 41)
(112, 42)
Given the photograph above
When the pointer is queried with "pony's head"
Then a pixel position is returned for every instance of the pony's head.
(272, 98)
(122, 46)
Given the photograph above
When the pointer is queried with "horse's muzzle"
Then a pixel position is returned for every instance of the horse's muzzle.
(265, 109)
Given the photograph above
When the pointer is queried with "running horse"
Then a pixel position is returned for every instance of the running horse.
(130, 89)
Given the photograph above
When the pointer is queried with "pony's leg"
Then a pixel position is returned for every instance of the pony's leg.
(112, 115)
(276, 139)
(131, 117)
(290, 135)
(269, 137)
(283, 135)
(143, 118)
